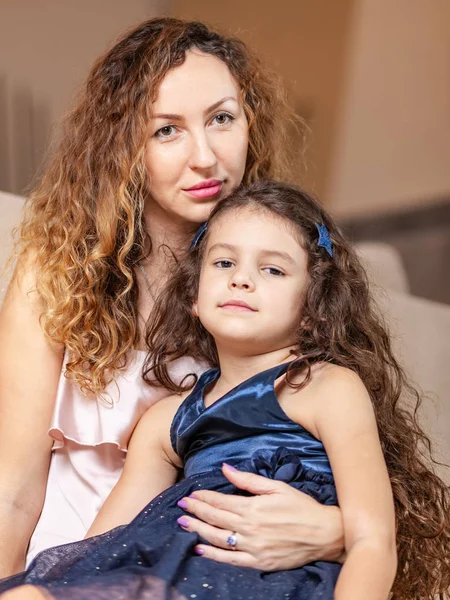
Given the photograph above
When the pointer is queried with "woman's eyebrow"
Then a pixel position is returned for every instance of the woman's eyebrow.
(175, 117)
(217, 104)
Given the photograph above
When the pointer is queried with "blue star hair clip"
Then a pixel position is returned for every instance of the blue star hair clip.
(324, 240)
(198, 236)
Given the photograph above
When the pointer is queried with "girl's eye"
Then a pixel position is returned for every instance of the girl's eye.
(223, 264)
(223, 119)
(165, 132)
(274, 271)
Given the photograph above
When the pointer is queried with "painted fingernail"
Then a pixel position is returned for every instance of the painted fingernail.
(229, 467)
(192, 495)
(183, 522)
(182, 504)
(199, 551)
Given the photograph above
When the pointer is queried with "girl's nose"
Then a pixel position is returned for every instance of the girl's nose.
(242, 280)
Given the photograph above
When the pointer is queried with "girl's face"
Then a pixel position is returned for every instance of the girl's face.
(198, 139)
(252, 283)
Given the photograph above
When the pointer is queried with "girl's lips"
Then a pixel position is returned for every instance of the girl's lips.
(207, 191)
(237, 306)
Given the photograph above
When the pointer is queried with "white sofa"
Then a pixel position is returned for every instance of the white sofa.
(420, 328)
(10, 212)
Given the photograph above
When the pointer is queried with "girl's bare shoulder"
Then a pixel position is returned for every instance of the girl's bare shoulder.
(154, 426)
(324, 376)
(328, 384)
(164, 410)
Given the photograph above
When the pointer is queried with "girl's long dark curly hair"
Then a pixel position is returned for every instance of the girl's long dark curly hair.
(84, 223)
(341, 321)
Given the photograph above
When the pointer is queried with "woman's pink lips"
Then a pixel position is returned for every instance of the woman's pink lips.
(206, 189)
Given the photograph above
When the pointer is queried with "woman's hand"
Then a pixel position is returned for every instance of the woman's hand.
(278, 528)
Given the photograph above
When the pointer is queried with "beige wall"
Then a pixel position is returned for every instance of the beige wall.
(46, 50)
(392, 147)
(372, 77)
(304, 41)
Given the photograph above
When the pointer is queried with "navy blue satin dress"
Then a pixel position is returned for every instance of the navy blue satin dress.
(152, 558)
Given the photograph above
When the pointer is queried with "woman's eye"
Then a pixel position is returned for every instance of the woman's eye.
(223, 264)
(223, 119)
(274, 271)
(165, 132)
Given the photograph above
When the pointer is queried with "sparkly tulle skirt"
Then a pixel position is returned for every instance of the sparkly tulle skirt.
(152, 558)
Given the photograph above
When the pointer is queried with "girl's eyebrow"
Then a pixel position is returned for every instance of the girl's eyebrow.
(277, 253)
(174, 117)
(229, 247)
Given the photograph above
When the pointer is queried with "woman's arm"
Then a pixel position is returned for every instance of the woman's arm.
(30, 368)
(347, 426)
(150, 468)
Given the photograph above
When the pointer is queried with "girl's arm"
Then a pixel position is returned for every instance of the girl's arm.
(30, 367)
(346, 425)
(150, 468)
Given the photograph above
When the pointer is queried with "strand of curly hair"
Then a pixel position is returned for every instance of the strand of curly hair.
(339, 318)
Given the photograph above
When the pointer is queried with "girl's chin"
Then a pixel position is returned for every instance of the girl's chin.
(244, 344)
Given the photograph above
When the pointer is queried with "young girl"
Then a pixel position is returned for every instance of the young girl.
(304, 389)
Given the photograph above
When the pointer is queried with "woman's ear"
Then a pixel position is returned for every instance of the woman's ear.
(194, 309)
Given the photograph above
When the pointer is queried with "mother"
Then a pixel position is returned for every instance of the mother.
(172, 119)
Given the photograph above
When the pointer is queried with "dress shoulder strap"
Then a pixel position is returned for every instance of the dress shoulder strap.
(282, 369)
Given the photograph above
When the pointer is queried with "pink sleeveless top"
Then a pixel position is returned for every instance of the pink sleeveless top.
(90, 441)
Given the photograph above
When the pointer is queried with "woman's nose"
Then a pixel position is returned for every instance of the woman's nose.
(202, 153)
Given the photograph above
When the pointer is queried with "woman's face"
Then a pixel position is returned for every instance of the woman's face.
(198, 139)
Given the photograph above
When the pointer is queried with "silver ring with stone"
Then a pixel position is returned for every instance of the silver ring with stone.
(232, 541)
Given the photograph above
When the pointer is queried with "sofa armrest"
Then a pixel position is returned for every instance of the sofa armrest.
(11, 211)
(420, 331)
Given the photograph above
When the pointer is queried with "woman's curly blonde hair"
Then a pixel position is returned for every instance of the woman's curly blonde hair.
(84, 221)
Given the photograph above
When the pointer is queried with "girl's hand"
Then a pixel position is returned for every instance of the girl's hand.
(278, 528)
